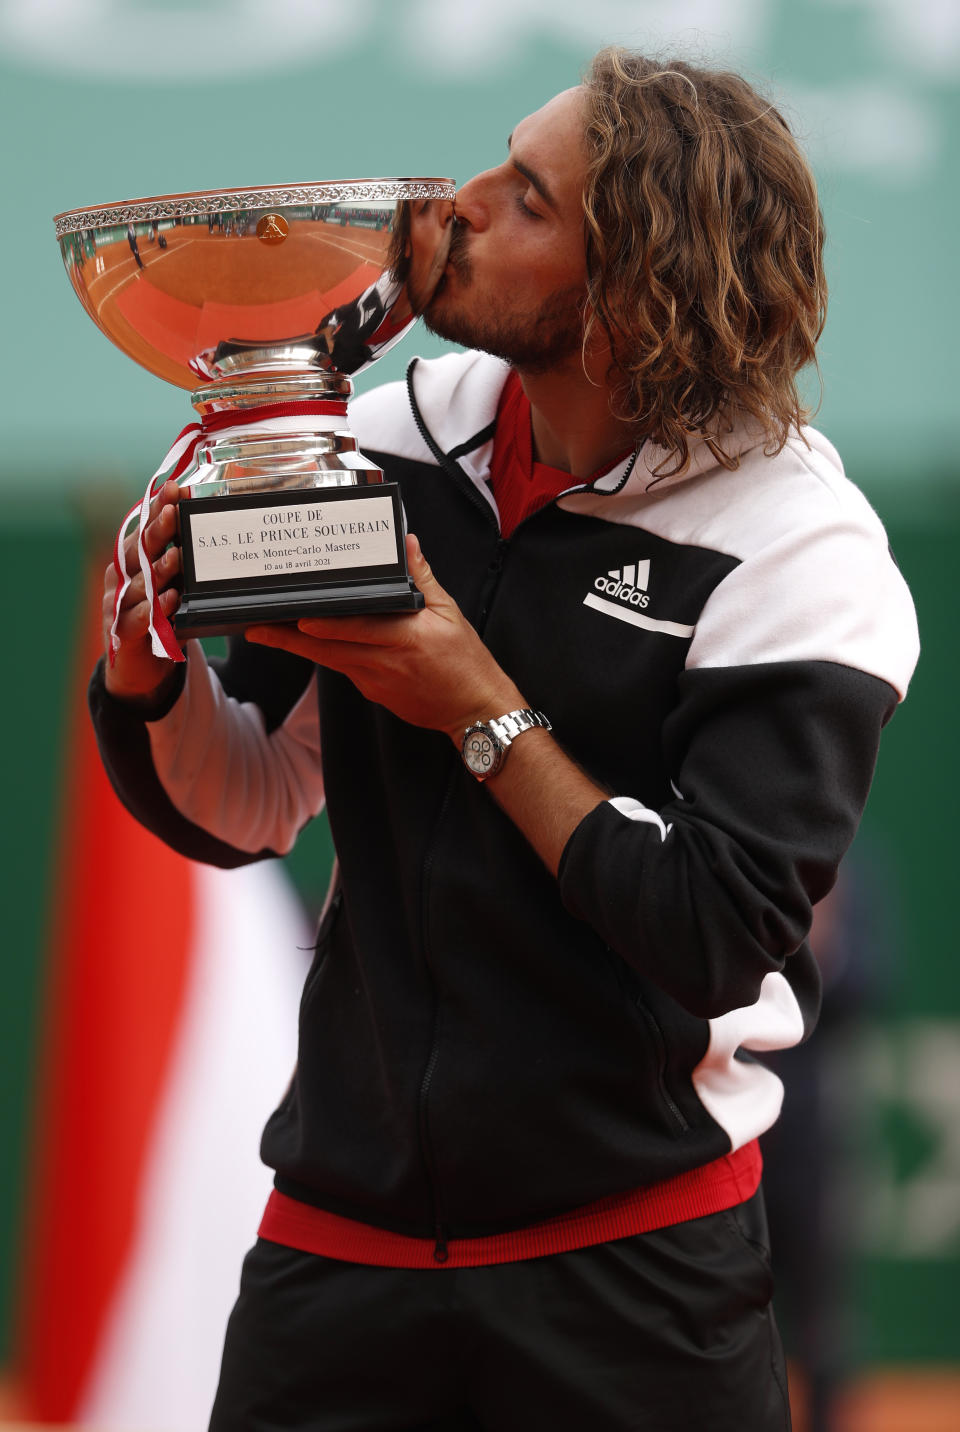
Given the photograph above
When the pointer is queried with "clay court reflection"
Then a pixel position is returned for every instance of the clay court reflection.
(200, 288)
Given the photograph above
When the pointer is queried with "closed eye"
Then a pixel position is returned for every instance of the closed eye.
(524, 207)
(535, 181)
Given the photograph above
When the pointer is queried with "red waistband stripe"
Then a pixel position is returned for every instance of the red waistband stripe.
(724, 1183)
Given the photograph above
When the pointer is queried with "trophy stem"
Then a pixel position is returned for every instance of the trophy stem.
(229, 394)
(277, 434)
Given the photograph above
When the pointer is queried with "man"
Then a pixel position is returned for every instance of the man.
(517, 1178)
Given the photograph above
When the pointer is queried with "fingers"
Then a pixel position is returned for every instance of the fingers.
(135, 669)
(166, 569)
(110, 582)
(133, 618)
(422, 575)
(133, 621)
(340, 655)
(384, 630)
(161, 528)
(168, 496)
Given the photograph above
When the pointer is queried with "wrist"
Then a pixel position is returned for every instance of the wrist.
(495, 706)
(145, 701)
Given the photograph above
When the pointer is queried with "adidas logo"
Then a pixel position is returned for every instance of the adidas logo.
(628, 584)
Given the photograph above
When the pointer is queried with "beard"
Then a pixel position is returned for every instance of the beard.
(532, 342)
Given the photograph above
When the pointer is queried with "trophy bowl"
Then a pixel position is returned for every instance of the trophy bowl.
(265, 303)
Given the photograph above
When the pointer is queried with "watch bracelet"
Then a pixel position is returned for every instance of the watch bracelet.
(506, 728)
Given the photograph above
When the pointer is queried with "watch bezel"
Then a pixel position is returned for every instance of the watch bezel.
(499, 748)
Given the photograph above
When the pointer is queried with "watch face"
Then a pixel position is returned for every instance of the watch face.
(482, 752)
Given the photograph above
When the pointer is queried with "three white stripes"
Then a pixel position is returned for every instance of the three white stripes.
(635, 575)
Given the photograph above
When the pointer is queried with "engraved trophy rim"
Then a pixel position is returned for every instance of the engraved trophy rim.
(257, 196)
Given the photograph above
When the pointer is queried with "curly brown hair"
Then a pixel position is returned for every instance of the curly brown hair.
(704, 252)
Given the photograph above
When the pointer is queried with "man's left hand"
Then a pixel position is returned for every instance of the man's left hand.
(429, 668)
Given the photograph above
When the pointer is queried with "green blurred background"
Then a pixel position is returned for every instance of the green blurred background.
(102, 100)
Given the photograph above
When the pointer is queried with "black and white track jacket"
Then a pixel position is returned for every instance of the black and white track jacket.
(481, 1045)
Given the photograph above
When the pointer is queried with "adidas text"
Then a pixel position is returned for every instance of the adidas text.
(613, 588)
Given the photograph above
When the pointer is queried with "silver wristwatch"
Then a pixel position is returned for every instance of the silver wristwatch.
(485, 744)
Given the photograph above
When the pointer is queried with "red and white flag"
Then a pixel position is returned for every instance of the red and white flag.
(170, 1034)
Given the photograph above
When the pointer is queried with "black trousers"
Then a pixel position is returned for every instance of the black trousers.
(670, 1331)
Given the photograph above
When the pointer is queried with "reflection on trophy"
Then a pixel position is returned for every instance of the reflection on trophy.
(265, 303)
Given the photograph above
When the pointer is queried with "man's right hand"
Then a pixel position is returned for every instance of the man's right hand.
(137, 675)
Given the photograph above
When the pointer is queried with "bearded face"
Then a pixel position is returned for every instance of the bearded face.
(533, 333)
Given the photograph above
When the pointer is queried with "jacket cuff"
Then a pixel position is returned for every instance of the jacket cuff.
(117, 712)
(577, 870)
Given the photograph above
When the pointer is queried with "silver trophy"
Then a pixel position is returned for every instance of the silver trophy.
(265, 303)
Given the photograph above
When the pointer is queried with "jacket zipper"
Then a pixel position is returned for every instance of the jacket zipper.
(494, 570)
(426, 1147)
(453, 470)
(489, 590)
(440, 1251)
(491, 582)
(423, 1118)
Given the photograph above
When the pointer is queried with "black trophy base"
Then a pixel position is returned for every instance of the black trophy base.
(223, 613)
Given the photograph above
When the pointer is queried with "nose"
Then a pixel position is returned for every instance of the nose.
(471, 205)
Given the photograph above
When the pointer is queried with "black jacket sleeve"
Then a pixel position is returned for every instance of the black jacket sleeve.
(715, 890)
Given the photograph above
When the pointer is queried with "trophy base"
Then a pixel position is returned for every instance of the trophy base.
(278, 556)
(226, 613)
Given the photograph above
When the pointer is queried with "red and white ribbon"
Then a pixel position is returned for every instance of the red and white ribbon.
(180, 462)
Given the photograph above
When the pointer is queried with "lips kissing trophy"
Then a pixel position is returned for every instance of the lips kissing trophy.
(265, 303)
